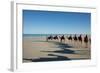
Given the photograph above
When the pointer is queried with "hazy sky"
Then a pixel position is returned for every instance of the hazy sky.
(47, 22)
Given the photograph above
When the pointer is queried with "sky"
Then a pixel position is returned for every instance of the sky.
(54, 22)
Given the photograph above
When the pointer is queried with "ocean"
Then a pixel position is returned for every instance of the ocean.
(46, 35)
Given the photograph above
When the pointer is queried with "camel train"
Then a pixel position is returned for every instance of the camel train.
(56, 38)
(62, 38)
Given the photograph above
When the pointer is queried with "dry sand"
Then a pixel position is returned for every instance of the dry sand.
(37, 49)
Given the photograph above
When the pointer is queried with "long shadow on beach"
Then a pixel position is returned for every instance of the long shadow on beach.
(46, 59)
(63, 48)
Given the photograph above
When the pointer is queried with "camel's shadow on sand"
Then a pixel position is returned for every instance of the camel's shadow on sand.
(46, 59)
(55, 57)
(63, 48)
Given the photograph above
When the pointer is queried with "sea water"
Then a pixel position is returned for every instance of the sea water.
(47, 35)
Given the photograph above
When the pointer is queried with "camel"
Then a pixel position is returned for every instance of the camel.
(80, 39)
(75, 38)
(86, 40)
(70, 38)
(55, 37)
(49, 38)
(62, 38)
(90, 40)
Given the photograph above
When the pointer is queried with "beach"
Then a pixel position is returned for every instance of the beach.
(38, 49)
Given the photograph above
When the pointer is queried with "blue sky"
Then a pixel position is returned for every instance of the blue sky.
(52, 22)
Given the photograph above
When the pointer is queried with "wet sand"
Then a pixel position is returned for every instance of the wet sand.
(37, 49)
